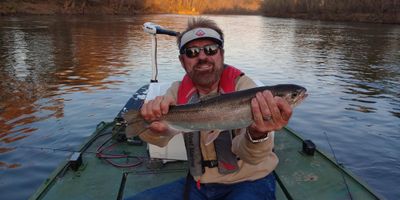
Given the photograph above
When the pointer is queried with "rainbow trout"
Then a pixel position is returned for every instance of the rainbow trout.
(223, 112)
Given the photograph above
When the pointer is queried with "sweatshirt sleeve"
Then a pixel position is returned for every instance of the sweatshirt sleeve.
(161, 140)
(246, 150)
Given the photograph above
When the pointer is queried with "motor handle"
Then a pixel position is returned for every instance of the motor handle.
(166, 32)
(153, 28)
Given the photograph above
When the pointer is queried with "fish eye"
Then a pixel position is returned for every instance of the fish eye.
(294, 95)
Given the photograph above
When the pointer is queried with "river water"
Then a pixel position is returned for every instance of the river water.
(61, 76)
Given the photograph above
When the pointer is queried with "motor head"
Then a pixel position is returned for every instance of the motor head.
(150, 27)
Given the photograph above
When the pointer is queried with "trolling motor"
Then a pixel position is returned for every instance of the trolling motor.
(135, 102)
(154, 29)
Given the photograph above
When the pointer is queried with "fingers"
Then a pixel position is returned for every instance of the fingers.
(145, 111)
(261, 115)
(269, 112)
(266, 114)
(156, 106)
(158, 127)
(272, 107)
(167, 101)
(257, 115)
(154, 109)
(285, 108)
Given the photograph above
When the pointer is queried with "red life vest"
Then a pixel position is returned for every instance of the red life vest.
(226, 159)
(226, 84)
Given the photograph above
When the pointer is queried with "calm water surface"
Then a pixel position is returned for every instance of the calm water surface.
(61, 76)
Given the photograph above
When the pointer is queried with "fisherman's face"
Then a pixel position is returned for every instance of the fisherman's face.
(204, 70)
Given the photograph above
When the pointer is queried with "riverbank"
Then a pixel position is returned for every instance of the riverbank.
(20, 7)
(383, 18)
(127, 7)
(373, 11)
(390, 15)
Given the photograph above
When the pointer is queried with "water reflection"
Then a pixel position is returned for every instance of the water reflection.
(9, 166)
(367, 67)
(44, 60)
(24, 61)
(371, 69)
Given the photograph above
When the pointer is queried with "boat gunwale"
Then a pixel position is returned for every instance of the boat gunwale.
(48, 182)
(337, 165)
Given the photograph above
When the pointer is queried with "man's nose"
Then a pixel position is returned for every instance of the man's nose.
(202, 55)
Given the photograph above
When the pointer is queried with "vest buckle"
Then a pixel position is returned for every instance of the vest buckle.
(210, 163)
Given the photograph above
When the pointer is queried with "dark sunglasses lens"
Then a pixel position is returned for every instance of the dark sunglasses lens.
(192, 52)
(211, 50)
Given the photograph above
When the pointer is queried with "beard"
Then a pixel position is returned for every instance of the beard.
(206, 78)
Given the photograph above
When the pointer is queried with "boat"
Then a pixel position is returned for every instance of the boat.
(110, 166)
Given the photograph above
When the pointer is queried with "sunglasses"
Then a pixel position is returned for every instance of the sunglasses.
(209, 50)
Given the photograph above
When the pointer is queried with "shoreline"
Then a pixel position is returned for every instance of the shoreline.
(25, 9)
(376, 18)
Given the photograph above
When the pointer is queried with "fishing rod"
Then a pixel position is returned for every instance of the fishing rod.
(100, 153)
(341, 172)
(64, 150)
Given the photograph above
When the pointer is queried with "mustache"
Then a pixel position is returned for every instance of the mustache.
(202, 62)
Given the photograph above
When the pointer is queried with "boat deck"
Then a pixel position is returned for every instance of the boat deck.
(299, 176)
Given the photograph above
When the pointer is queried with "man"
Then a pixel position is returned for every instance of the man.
(239, 163)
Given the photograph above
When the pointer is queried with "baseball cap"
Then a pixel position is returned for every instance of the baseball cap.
(199, 33)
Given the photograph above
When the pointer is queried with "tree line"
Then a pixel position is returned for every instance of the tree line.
(128, 6)
(353, 10)
(386, 11)
(205, 6)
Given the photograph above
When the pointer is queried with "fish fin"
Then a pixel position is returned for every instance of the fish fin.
(211, 136)
(155, 139)
(135, 123)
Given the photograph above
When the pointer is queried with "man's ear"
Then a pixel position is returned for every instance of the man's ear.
(181, 60)
(222, 55)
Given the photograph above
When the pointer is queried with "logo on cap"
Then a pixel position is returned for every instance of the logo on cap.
(200, 33)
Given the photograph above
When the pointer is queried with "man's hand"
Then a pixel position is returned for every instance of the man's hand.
(152, 111)
(269, 114)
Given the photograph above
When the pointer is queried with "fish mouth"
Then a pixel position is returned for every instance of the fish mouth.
(303, 94)
(300, 98)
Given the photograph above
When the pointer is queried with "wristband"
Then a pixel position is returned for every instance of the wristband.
(263, 139)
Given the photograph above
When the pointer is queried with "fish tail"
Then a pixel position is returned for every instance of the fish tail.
(135, 123)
